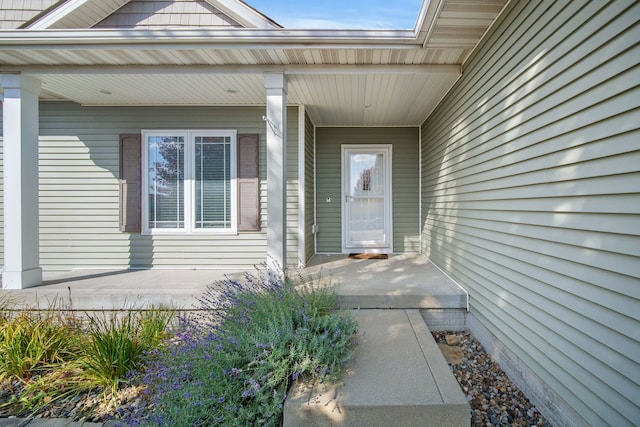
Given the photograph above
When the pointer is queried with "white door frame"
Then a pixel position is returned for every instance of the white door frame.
(373, 247)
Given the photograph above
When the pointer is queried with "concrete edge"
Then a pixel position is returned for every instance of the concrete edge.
(448, 387)
(401, 302)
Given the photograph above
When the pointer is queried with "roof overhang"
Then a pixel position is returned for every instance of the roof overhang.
(185, 38)
(344, 77)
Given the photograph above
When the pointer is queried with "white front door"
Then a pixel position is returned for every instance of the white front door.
(366, 199)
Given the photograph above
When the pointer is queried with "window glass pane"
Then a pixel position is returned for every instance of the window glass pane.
(367, 174)
(213, 182)
(166, 181)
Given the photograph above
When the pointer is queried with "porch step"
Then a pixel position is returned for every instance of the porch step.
(398, 377)
(399, 282)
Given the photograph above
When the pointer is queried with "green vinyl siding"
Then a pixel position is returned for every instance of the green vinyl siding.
(531, 201)
(79, 199)
(405, 183)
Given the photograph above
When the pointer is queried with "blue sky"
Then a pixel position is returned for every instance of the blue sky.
(325, 14)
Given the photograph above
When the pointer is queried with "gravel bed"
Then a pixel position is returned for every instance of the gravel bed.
(494, 399)
(88, 406)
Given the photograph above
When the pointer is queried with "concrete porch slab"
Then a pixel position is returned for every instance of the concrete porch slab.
(401, 281)
(108, 290)
(398, 377)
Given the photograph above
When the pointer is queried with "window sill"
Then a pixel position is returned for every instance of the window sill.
(189, 233)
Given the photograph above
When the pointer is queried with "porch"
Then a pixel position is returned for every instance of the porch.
(382, 386)
(404, 281)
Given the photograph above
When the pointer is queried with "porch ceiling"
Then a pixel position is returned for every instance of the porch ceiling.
(372, 98)
(343, 77)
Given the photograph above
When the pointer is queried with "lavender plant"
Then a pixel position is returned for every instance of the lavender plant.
(234, 363)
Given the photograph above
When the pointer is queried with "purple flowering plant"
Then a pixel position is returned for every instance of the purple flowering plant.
(235, 360)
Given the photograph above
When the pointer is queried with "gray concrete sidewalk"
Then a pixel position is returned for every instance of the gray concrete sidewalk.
(397, 377)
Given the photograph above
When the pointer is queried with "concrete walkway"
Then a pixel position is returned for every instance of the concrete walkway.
(397, 378)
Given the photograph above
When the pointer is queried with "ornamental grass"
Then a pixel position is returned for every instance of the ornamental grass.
(49, 355)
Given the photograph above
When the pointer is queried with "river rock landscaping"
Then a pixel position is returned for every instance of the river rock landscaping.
(494, 399)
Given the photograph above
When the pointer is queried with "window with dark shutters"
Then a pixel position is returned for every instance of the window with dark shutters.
(248, 182)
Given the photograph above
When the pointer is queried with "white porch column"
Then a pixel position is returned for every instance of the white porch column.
(20, 121)
(276, 128)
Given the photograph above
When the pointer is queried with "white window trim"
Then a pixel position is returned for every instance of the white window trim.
(189, 182)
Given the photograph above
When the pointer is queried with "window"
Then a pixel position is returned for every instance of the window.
(190, 181)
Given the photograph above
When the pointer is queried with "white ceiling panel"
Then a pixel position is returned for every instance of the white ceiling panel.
(156, 89)
(373, 99)
(369, 99)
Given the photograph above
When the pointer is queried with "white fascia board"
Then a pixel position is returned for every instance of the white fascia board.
(193, 38)
(67, 9)
(57, 14)
(235, 69)
(243, 13)
(427, 17)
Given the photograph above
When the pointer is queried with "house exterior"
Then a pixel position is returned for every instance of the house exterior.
(500, 139)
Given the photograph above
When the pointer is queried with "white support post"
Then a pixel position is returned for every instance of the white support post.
(20, 121)
(302, 208)
(276, 130)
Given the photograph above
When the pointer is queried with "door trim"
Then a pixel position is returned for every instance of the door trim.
(387, 150)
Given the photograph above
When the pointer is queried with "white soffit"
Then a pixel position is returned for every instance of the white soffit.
(462, 23)
(156, 89)
(369, 99)
(332, 99)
